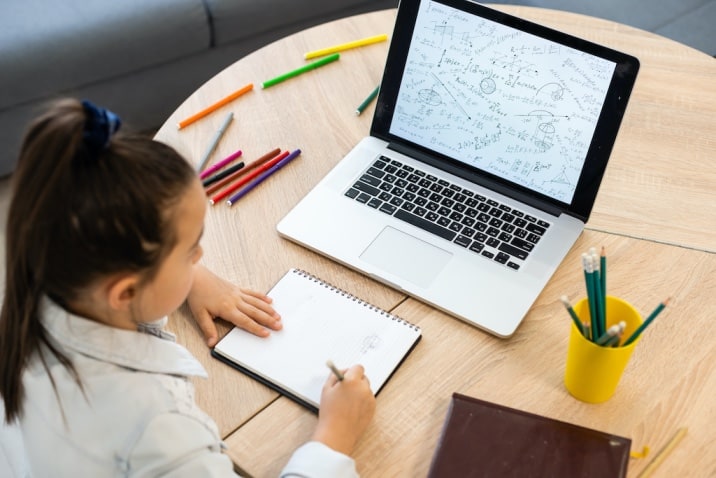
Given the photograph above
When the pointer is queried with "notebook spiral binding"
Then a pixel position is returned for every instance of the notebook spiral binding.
(348, 295)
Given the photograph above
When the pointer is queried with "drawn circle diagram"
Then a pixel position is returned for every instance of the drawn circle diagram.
(543, 137)
(488, 86)
(555, 91)
(370, 342)
(430, 97)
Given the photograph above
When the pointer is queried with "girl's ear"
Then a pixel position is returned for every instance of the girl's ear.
(122, 291)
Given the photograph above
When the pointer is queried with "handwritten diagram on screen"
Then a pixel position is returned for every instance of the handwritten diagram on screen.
(515, 105)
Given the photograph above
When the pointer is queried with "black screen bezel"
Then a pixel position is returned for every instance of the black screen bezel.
(595, 163)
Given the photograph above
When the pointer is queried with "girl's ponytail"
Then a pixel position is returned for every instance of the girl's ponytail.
(85, 204)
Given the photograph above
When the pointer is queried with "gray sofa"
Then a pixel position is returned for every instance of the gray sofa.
(141, 58)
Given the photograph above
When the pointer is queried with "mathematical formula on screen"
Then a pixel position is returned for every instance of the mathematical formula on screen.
(513, 104)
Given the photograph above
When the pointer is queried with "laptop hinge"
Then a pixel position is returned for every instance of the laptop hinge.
(477, 178)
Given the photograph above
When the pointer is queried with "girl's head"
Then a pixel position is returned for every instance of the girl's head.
(93, 209)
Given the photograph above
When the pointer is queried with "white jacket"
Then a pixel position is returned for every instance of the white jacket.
(136, 415)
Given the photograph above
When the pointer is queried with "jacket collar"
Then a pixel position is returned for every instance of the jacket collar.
(148, 349)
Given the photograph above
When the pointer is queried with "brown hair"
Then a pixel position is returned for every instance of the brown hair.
(78, 214)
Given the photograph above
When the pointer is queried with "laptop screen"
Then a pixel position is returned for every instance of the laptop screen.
(503, 97)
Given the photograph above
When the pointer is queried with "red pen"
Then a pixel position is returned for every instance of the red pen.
(247, 178)
(220, 184)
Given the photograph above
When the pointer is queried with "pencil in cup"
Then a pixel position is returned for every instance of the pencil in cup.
(577, 321)
(227, 181)
(591, 299)
(600, 303)
(637, 333)
(248, 177)
(592, 371)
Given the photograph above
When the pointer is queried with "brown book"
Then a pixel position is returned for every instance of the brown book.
(483, 439)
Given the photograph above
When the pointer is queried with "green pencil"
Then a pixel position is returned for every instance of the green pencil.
(589, 283)
(646, 323)
(573, 314)
(603, 279)
(367, 101)
(599, 302)
(303, 69)
(608, 335)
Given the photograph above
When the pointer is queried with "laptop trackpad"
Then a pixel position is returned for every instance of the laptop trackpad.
(406, 256)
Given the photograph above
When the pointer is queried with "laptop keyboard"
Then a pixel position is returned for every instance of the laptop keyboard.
(482, 225)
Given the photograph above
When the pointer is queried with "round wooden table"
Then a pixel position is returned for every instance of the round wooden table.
(655, 214)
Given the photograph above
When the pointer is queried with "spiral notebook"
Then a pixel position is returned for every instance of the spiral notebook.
(320, 323)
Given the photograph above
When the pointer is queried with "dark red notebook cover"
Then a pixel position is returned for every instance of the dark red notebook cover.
(483, 439)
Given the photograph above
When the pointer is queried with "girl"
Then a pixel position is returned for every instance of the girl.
(102, 243)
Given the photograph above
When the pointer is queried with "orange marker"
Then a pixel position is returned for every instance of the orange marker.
(216, 106)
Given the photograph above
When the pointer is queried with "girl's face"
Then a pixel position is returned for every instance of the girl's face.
(170, 287)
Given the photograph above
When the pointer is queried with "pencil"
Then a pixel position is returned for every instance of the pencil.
(335, 370)
(613, 341)
(646, 323)
(603, 278)
(367, 101)
(345, 46)
(248, 177)
(221, 175)
(663, 453)
(215, 141)
(587, 331)
(608, 335)
(589, 283)
(263, 176)
(573, 314)
(220, 164)
(298, 71)
(599, 301)
(220, 184)
(215, 106)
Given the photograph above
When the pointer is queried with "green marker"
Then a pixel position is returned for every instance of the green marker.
(303, 69)
(367, 101)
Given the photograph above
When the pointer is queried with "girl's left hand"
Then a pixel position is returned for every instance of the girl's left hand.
(212, 297)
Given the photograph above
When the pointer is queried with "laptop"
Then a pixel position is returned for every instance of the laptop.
(490, 138)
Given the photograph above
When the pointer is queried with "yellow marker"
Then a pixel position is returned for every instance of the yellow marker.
(640, 454)
(345, 46)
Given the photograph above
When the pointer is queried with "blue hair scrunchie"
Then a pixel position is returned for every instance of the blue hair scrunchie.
(100, 126)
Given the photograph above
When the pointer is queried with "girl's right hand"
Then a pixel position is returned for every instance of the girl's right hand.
(347, 407)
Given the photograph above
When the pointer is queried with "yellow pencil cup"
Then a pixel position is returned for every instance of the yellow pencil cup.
(593, 371)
